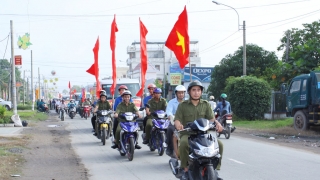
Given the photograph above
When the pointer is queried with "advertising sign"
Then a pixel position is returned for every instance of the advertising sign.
(202, 74)
(175, 68)
(175, 79)
(18, 60)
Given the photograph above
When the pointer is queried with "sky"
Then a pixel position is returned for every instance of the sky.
(63, 32)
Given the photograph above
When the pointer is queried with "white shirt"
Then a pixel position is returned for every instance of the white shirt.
(213, 104)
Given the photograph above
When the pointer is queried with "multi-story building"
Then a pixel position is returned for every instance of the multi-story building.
(160, 58)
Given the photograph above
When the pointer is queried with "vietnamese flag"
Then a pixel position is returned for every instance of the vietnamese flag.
(114, 29)
(143, 55)
(178, 39)
(69, 85)
(83, 98)
(94, 69)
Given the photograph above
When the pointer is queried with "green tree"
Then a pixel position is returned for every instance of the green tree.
(76, 87)
(65, 91)
(258, 60)
(249, 96)
(304, 49)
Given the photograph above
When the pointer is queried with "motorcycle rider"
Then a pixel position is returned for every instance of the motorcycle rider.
(180, 91)
(93, 118)
(224, 107)
(117, 101)
(124, 106)
(41, 106)
(57, 105)
(155, 103)
(62, 106)
(188, 111)
(103, 104)
(151, 88)
(71, 104)
(85, 103)
(212, 103)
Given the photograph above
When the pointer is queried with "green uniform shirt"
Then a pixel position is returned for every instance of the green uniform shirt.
(122, 108)
(187, 112)
(86, 103)
(154, 106)
(104, 105)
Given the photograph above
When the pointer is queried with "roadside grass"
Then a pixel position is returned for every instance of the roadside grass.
(29, 115)
(264, 124)
(10, 155)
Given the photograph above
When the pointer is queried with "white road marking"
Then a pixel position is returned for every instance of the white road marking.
(239, 162)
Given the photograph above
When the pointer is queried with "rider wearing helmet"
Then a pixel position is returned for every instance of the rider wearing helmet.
(124, 106)
(155, 103)
(117, 101)
(188, 111)
(62, 106)
(223, 106)
(151, 88)
(212, 103)
(179, 91)
(103, 104)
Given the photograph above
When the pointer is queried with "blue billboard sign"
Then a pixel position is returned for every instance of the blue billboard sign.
(175, 68)
(202, 74)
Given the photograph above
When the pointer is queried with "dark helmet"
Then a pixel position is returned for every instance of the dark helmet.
(123, 87)
(157, 90)
(103, 94)
(24, 123)
(195, 83)
(126, 93)
(223, 96)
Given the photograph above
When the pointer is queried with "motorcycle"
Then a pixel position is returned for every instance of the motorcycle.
(158, 132)
(72, 111)
(86, 112)
(226, 123)
(129, 135)
(203, 152)
(104, 124)
(39, 109)
(61, 111)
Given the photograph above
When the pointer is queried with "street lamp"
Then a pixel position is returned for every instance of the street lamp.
(244, 37)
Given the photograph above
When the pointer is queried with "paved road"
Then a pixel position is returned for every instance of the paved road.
(244, 159)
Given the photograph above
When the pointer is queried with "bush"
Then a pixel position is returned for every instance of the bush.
(249, 97)
(24, 107)
(2, 111)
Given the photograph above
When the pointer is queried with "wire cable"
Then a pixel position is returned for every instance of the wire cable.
(6, 47)
(5, 38)
(218, 42)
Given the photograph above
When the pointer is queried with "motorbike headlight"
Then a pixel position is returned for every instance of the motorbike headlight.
(161, 116)
(129, 118)
(206, 151)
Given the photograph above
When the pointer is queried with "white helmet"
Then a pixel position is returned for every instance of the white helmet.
(211, 97)
(180, 88)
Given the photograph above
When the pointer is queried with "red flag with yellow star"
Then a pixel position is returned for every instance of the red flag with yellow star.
(178, 39)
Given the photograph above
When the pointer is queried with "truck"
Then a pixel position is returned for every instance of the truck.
(303, 100)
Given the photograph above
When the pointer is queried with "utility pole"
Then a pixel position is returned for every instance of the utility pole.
(27, 89)
(244, 50)
(39, 82)
(13, 74)
(164, 73)
(32, 89)
(287, 46)
(24, 86)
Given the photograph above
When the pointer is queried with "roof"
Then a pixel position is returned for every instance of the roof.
(150, 68)
(163, 42)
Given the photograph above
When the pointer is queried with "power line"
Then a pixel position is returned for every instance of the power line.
(218, 42)
(6, 47)
(5, 38)
(147, 14)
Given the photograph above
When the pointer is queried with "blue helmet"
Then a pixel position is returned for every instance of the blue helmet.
(157, 91)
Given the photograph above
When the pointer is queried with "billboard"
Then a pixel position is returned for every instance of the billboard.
(202, 74)
(175, 79)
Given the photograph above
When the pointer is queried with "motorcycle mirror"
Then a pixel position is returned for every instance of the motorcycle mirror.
(141, 109)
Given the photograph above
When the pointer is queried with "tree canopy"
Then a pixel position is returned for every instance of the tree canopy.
(258, 60)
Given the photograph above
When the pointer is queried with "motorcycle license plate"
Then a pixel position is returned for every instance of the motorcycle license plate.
(104, 126)
(229, 121)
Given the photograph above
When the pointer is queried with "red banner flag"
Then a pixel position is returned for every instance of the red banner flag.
(143, 55)
(69, 85)
(94, 69)
(83, 94)
(178, 39)
(114, 29)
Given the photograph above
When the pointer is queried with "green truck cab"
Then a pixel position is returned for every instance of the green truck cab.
(303, 100)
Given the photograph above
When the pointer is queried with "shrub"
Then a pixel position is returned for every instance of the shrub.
(24, 107)
(249, 97)
(2, 111)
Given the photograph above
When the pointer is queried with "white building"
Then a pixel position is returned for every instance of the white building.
(159, 57)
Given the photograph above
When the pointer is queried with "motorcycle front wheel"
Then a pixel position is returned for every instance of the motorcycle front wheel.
(130, 150)
(162, 139)
(103, 136)
(209, 173)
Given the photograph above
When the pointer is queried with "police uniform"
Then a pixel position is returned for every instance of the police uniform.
(122, 108)
(102, 106)
(154, 106)
(187, 112)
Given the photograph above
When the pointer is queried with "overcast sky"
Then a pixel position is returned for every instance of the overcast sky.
(63, 32)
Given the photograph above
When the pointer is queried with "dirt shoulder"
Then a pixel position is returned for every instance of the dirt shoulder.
(288, 136)
(49, 154)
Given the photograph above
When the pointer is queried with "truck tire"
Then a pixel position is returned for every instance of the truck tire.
(300, 121)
